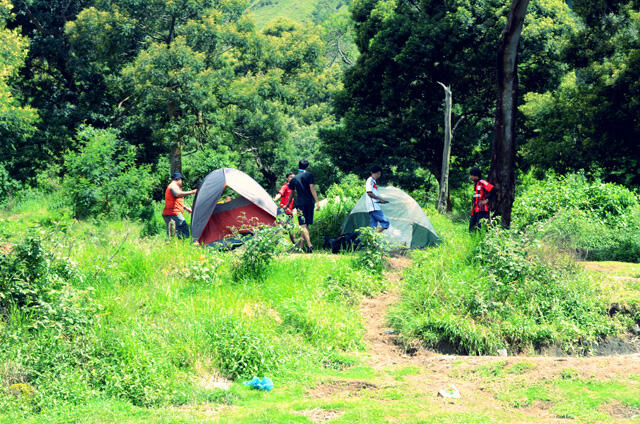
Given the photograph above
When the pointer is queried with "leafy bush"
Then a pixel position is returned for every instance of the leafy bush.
(479, 294)
(37, 284)
(152, 222)
(102, 178)
(370, 255)
(341, 198)
(241, 351)
(540, 201)
(259, 251)
(8, 185)
(596, 220)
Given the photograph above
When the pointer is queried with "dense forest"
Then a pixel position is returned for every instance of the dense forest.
(189, 85)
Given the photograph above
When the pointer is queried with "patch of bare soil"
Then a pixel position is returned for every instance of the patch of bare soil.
(542, 367)
(341, 387)
(382, 340)
(616, 409)
(203, 409)
(318, 415)
(211, 382)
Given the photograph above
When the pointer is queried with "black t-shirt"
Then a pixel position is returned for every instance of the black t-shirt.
(300, 183)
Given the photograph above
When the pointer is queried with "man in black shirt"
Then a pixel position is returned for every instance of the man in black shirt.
(306, 197)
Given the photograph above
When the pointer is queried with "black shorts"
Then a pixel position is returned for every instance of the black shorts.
(475, 223)
(305, 214)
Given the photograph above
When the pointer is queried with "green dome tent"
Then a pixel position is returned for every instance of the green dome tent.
(410, 227)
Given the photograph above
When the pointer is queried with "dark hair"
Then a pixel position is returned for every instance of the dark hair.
(288, 173)
(375, 168)
(475, 171)
(176, 176)
(303, 164)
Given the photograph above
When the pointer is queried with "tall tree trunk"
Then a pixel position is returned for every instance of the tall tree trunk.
(175, 158)
(443, 193)
(503, 151)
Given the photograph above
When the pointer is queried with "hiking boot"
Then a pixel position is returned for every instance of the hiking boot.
(307, 249)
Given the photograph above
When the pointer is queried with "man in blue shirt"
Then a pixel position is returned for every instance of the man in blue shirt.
(306, 197)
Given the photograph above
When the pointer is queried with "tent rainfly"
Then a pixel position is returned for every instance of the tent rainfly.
(212, 221)
(409, 227)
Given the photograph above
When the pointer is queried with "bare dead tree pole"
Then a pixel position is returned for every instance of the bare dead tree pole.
(503, 151)
(443, 193)
(443, 204)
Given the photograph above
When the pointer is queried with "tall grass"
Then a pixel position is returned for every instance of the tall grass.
(478, 293)
(167, 314)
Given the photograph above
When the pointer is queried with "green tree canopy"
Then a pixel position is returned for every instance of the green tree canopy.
(16, 119)
(391, 105)
(590, 120)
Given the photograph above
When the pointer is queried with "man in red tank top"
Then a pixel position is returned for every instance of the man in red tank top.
(174, 205)
(483, 192)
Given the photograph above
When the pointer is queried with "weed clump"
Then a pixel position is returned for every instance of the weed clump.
(597, 220)
(370, 255)
(37, 285)
(241, 350)
(258, 253)
(502, 290)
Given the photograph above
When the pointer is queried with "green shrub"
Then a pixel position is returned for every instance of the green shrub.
(259, 250)
(152, 222)
(242, 351)
(596, 220)
(102, 178)
(503, 290)
(37, 284)
(8, 186)
(540, 201)
(370, 254)
(341, 198)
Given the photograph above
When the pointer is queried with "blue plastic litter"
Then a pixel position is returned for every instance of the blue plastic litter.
(256, 383)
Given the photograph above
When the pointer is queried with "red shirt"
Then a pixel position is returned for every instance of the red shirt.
(285, 199)
(172, 205)
(481, 192)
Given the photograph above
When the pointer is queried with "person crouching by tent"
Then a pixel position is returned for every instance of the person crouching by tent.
(303, 186)
(483, 192)
(376, 216)
(285, 207)
(174, 205)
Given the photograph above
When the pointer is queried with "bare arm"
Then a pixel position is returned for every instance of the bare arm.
(177, 192)
(312, 189)
(373, 196)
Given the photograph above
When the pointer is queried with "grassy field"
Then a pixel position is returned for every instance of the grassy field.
(297, 10)
(171, 337)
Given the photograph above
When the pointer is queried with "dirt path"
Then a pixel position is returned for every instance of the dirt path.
(435, 371)
(382, 341)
